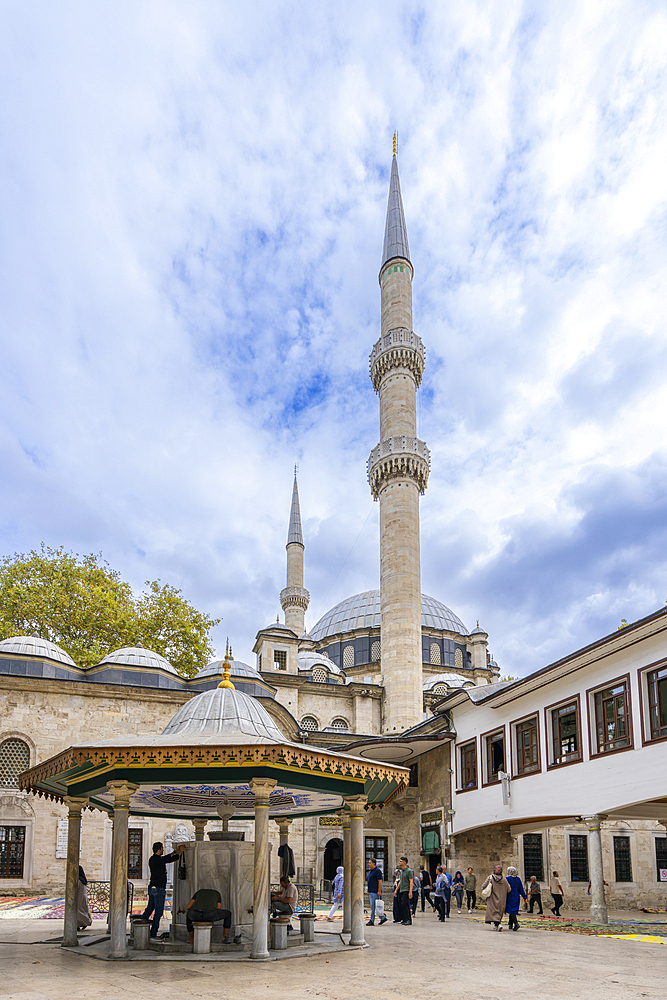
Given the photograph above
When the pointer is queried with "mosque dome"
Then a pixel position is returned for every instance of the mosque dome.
(363, 611)
(236, 669)
(225, 712)
(442, 683)
(137, 656)
(31, 645)
(310, 659)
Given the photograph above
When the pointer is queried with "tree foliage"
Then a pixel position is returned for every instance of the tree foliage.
(81, 604)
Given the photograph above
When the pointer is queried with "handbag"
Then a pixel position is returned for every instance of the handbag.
(182, 870)
(487, 890)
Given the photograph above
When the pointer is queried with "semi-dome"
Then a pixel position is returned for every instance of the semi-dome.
(310, 659)
(224, 712)
(437, 681)
(32, 645)
(236, 669)
(137, 656)
(363, 611)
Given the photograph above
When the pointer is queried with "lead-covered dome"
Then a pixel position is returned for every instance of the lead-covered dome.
(32, 645)
(363, 611)
(137, 656)
(225, 712)
(442, 683)
(236, 669)
(311, 660)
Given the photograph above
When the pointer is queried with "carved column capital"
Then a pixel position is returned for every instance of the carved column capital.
(75, 805)
(356, 805)
(261, 788)
(283, 826)
(122, 792)
(593, 822)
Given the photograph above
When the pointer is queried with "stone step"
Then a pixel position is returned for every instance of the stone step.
(294, 940)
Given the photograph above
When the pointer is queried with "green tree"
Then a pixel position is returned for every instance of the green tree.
(81, 603)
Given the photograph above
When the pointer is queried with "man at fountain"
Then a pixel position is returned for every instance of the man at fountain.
(285, 901)
(206, 906)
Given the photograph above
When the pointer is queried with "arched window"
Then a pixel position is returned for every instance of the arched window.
(458, 659)
(339, 724)
(435, 653)
(310, 723)
(439, 689)
(375, 651)
(319, 675)
(14, 758)
(348, 656)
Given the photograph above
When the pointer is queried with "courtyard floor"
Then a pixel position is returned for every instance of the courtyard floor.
(462, 960)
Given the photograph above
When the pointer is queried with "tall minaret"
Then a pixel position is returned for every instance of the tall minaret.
(398, 471)
(294, 597)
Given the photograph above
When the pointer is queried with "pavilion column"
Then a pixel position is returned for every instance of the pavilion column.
(347, 881)
(598, 901)
(75, 806)
(121, 791)
(200, 827)
(261, 789)
(357, 807)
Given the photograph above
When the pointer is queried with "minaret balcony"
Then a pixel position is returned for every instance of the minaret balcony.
(294, 597)
(398, 457)
(397, 349)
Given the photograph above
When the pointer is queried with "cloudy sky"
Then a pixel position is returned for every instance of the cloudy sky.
(193, 199)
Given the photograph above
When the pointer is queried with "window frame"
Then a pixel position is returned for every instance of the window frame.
(549, 733)
(645, 704)
(459, 767)
(13, 734)
(514, 747)
(584, 834)
(656, 838)
(483, 738)
(623, 835)
(277, 653)
(592, 717)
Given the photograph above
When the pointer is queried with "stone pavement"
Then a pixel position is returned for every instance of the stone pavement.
(462, 960)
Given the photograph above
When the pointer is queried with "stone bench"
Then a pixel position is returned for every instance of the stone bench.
(307, 926)
(202, 941)
(278, 932)
(141, 934)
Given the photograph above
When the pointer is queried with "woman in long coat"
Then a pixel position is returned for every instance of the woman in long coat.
(495, 904)
(513, 901)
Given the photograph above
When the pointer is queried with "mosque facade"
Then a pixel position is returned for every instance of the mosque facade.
(374, 677)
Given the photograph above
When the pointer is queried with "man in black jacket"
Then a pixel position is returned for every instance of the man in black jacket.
(157, 887)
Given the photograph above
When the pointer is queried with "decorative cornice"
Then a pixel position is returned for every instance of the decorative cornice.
(398, 348)
(294, 597)
(398, 457)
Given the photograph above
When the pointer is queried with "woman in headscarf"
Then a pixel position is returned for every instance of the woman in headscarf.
(337, 891)
(513, 901)
(458, 885)
(495, 903)
(83, 917)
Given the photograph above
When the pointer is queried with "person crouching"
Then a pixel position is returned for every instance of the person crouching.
(206, 906)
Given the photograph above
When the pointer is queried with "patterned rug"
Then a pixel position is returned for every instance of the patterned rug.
(53, 908)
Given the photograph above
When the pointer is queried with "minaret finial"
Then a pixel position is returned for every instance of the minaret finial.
(395, 142)
(225, 682)
(295, 470)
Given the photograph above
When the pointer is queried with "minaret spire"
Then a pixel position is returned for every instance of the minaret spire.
(398, 469)
(294, 598)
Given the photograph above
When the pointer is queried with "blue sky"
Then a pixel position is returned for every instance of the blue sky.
(193, 212)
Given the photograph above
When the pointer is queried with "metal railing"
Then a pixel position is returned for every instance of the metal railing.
(306, 899)
(326, 890)
(99, 894)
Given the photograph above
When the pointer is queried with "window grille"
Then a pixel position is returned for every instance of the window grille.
(348, 656)
(435, 653)
(440, 689)
(279, 659)
(135, 843)
(661, 856)
(458, 659)
(308, 722)
(375, 651)
(12, 846)
(14, 758)
(533, 857)
(319, 675)
(578, 858)
(339, 724)
(622, 859)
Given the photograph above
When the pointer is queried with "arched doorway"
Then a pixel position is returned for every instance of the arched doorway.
(333, 857)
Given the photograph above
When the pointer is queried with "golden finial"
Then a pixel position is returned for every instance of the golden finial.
(295, 470)
(395, 142)
(277, 619)
(225, 682)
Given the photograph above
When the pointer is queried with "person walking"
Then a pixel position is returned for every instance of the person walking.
(471, 890)
(374, 885)
(83, 917)
(496, 898)
(396, 900)
(337, 891)
(534, 894)
(425, 886)
(157, 887)
(556, 890)
(404, 890)
(415, 893)
(513, 901)
(440, 883)
(448, 890)
(458, 886)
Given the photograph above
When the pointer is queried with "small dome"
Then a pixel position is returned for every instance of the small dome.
(478, 631)
(237, 669)
(31, 645)
(363, 611)
(308, 660)
(450, 680)
(225, 712)
(137, 656)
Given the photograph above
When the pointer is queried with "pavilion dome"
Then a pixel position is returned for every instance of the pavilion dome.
(225, 712)
(137, 656)
(32, 645)
(363, 611)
